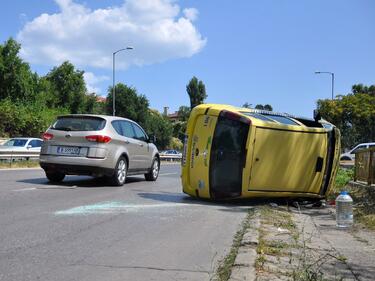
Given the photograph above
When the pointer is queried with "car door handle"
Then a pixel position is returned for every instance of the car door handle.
(127, 142)
(141, 144)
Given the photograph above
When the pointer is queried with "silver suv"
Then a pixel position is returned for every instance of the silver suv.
(97, 145)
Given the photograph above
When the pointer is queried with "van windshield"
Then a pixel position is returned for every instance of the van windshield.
(74, 123)
(228, 154)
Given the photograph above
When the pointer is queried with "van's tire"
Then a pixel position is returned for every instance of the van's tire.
(55, 176)
(119, 176)
(153, 174)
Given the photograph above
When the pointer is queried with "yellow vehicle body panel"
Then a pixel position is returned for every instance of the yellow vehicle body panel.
(280, 160)
(287, 159)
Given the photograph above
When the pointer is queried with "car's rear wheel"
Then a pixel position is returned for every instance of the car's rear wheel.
(119, 176)
(55, 176)
(153, 174)
(345, 158)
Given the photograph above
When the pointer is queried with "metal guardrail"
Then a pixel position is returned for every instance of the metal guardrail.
(170, 157)
(13, 155)
(365, 166)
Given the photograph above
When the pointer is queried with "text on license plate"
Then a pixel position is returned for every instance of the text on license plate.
(68, 150)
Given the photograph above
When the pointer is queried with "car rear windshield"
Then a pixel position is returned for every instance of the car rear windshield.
(75, 123)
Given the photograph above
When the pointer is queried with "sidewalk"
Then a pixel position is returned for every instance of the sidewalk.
(304, 244)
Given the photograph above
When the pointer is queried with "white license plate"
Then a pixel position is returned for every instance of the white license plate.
(68, 150)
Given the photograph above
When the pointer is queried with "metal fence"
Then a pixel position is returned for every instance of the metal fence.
(170, 157)
(365, 166)
(19, 155)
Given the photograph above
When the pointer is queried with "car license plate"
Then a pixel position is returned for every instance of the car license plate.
(68, 150)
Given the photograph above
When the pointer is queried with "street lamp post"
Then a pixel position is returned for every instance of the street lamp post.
(332, 78)
(113, 76)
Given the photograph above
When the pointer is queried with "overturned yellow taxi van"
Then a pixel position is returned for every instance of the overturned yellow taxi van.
(232, 152)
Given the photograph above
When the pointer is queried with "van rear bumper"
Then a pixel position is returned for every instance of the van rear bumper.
(76, 169)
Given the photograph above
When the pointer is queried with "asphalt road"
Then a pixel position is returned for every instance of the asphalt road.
(85, 230)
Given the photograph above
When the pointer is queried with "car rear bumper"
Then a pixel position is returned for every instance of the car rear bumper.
(76, 169)
(76, 165)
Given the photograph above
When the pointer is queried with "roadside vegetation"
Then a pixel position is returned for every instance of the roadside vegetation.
(284, 251)
(224, 269)
(19, 164)
(363, 197)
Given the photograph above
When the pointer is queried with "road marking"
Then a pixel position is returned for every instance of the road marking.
(167, 174)
(20, 169)
(25, 189)
(110, 207)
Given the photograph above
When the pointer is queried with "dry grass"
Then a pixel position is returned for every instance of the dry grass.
(19, 164)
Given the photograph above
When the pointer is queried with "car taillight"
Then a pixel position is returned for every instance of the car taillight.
(99, 138)
(47, 136)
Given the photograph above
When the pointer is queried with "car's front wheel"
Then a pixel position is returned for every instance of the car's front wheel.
(121, 170)
(153, 174)
(55, 176)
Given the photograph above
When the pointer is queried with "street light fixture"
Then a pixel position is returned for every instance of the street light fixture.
(114, 86)
(332, 78)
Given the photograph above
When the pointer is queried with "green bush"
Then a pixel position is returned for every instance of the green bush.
(28, 120)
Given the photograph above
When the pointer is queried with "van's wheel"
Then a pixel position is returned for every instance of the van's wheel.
(55, 176)
(121, 170)
(153, 174)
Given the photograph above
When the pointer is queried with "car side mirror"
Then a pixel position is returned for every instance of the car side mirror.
(29, 146)
(151, 138)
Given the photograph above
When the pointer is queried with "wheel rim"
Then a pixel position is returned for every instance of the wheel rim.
(121, 171)
(155, 169)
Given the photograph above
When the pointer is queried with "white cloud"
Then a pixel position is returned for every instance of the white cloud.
(155, 28)
(92, 80)
(191, 13)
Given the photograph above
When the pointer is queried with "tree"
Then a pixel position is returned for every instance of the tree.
(246, 105)
(353, 114)
(361, 89)
(264, 107)
(17, 82)
(68, 86)
(183, 113)
(93, 105)
(129, 104)
(268, 107)
(159, 126)
(196, 91)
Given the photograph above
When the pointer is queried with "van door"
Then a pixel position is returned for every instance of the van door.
(199, 154)
(288, 161)
(228, 154)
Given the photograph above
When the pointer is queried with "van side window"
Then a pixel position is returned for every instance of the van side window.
(283, 120)
(139, 134)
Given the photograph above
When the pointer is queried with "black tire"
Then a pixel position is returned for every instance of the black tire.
(55, 176)
(345, 158)
(153, 174)
(119, 176)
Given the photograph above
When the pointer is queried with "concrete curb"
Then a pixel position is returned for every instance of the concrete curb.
(244, 264)
(20, 169)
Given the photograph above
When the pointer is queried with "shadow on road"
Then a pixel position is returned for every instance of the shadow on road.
(78, 182)
(232, 205)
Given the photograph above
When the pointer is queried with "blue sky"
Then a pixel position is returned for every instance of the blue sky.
(244, 51)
